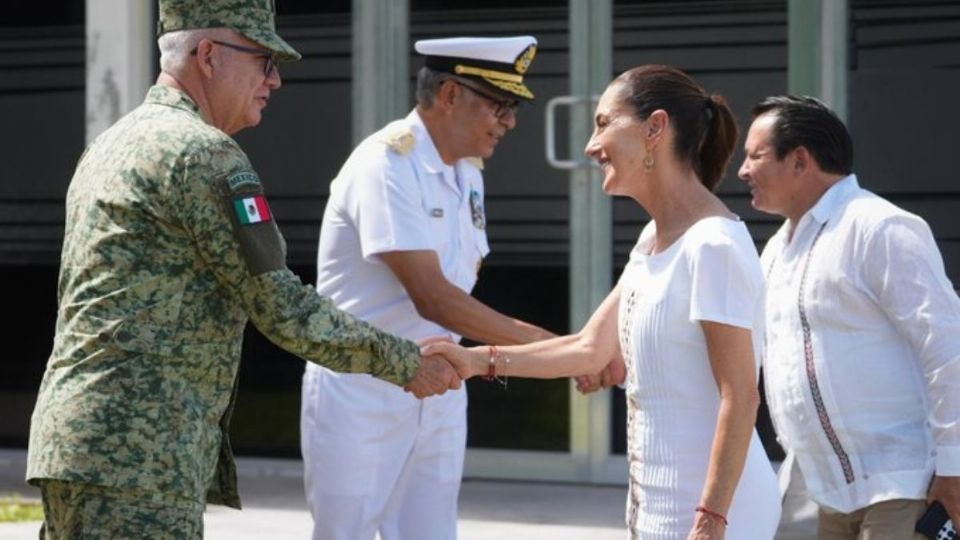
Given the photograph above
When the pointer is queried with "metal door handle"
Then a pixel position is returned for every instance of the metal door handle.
(551, 147)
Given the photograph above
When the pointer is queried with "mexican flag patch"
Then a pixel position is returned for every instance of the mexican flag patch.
(252, 210)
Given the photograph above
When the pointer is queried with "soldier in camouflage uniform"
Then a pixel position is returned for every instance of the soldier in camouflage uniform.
(169, 248)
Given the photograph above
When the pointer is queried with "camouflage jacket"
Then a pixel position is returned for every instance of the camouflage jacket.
(169, 248)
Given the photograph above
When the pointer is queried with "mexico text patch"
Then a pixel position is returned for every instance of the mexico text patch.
(241, 179)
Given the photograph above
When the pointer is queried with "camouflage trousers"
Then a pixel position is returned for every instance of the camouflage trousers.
(73, 511)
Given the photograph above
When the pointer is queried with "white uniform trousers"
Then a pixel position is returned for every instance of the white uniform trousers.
(378, 459)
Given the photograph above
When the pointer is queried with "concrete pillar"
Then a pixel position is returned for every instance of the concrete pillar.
(817, 43)
(120, 37)
(591, 244)
(381, 64)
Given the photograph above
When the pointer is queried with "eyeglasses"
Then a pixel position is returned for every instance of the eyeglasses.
(270, 63)
(502, 106)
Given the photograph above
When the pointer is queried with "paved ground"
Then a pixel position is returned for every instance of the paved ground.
(275, 509)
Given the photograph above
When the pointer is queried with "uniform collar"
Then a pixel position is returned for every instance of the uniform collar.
(169, 96)
(834, 198)
(429, 156)
(467, 170)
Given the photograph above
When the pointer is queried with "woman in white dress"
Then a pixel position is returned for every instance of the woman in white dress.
(684, 315)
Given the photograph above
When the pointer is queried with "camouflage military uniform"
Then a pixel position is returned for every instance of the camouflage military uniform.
(101, 513)
(169, 248)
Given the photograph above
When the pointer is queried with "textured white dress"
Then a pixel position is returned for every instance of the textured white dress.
(712, 273)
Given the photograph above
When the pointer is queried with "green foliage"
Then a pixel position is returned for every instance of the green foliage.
(15, 509)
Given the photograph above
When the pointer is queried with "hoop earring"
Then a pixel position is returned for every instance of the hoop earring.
(648, 163)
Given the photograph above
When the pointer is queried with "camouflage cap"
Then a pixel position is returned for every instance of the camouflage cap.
(254, 19)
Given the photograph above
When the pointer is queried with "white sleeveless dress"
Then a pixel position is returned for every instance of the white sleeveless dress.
(712, 273)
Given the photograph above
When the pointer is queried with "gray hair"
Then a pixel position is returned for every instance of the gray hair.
(175, 46)
(428, 84)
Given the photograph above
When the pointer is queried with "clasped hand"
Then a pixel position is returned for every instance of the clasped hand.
(443, 365)
(613, 373)
(434, 377)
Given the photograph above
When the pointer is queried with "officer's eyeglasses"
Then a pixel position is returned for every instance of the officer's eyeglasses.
(270, 63)
(502, 106)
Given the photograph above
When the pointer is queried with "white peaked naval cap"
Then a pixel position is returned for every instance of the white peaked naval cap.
(500, 62)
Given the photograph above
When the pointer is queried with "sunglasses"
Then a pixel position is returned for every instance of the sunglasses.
(270, 63)
(502, 106)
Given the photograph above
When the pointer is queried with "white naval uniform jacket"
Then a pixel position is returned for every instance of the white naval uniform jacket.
(394, 193)
(862, 350)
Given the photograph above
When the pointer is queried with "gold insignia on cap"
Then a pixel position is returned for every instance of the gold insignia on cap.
(518, 89)
(522, 63)
(461, 69)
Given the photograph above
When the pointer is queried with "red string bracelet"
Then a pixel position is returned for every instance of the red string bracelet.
(492, 366)
(715, 515)
(495, 357)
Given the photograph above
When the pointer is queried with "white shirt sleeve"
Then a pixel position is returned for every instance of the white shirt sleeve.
(387, 207)
(725, 282)
(902, 266)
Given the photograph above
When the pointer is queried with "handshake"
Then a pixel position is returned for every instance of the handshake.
(443, 365)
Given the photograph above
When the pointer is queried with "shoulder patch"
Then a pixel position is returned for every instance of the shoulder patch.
(476, 162)
(251, 210)
(256, 232)
(399, 139)
(243, 179)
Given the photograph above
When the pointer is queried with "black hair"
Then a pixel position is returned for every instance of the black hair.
(807, 122)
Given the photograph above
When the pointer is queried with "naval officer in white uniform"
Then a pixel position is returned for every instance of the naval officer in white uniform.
(403, 236)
